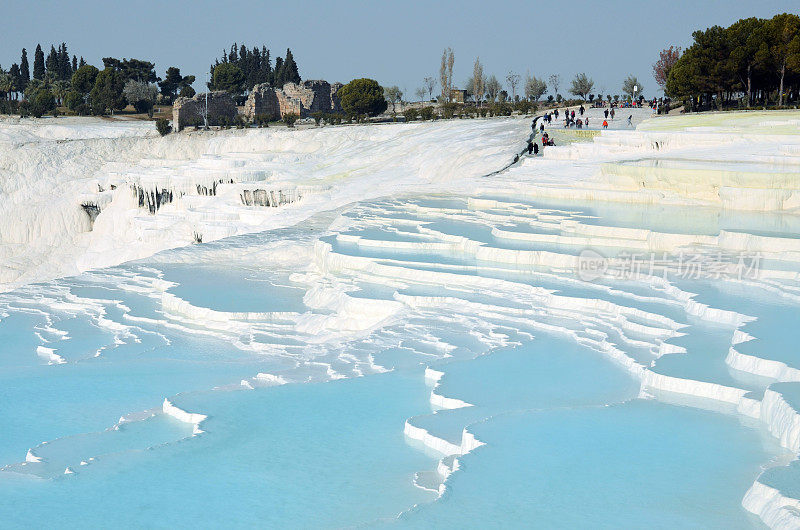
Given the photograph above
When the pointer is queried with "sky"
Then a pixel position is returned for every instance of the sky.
(397, 43)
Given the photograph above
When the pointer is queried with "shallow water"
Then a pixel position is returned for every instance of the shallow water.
(413, 361)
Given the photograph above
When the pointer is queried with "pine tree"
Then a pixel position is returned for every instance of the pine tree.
(81, 62)
(74, 64)
(38, 63)
(24, 69)
(290, 72)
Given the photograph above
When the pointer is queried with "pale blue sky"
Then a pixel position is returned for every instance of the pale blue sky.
(393, 42)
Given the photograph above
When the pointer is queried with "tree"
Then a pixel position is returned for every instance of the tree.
(746, 37)
(555, 82)
(581, 86)
(513, 80)
(6, 84)
(38, 63)
(42, 102)
(141, 95)
(430, 86)
(631, 83)
(24, 69)
(478, 81)
(174, 82)
(420, 93)
(84, 78)
(534, 88)
(446, 74)
(393, 95)
(228, 77)
(290, 72)
(107, 92)
(187, 92)
(52, 62)
(493, 88)
(136, 69)
(60, 89)
(783, 45)
(666, 60)
(362, 97)
(16, 79)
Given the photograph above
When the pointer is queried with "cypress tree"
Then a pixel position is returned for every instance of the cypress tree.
(277, 75)
(16, 78)
(74, 64)
(81, 62)
(38, 63)
(266, 66)
(290, 72)
(52, 61)
(24, 69)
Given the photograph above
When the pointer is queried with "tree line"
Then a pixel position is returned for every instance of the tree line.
(240, 69)
(58, 80)
(752, 62)
(481, 89)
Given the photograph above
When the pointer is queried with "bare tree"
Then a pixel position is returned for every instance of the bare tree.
(478, 81)
(393, 95)
(581, 86)
(446, 74)
(420, 92)
(430, 85)
(631, 83)
(534, 88)
(513, 80)
(450, 62)
(666, 60)
(493, 88)
(555, 82)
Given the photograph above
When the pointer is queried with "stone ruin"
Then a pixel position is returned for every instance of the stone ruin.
(189, 111)
(301, 99)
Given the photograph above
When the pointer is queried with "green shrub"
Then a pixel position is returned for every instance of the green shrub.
(163, 126)
(333, 118)
(318, 117)
(426, 113)
(449, 110)
(411, 114)
(289, 119)
(239, 122)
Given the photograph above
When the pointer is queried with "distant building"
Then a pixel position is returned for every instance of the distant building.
(458, 96)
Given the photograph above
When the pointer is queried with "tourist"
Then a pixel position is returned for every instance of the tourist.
(606, 113)
(629, 120)
(582, 110)
(530, 147)
(605, 124)
(535, 148)
(612, 113)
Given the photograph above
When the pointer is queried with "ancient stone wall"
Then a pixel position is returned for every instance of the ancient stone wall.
(263, 100)
(336, 105)
(301, 99)
(189, 111)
